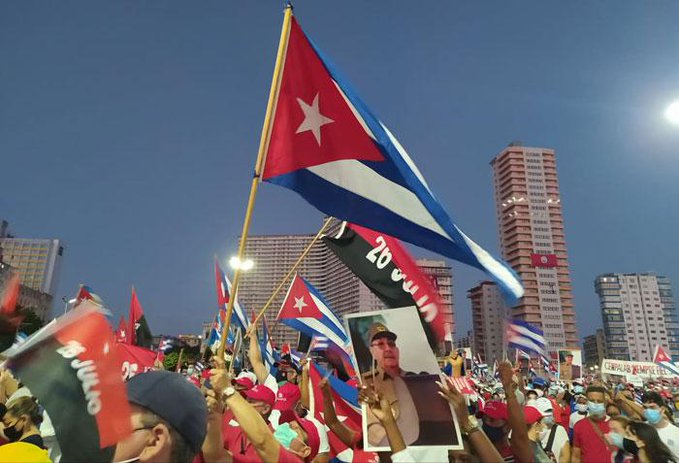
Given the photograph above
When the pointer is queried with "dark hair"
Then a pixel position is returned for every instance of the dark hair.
(595, 388)
(181, 450)
(26, 406)
(656, 451)
(654, 397)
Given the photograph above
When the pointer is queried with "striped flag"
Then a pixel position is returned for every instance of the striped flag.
(662, 358)
(325, 144)
(266, 347)
(526, 337)
(319, 343)
(238, 316)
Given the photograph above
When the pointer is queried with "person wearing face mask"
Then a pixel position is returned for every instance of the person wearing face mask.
(579, 413)
(589, 441)
(536, 431)
(21, 421)
(651, 449)
(494, 424)
(626, 448)
(655, 409)
(555, 438)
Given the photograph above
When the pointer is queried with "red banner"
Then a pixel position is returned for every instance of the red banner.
(543, 260)
(134, 359)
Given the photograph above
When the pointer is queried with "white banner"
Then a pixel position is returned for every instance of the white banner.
(642, 369)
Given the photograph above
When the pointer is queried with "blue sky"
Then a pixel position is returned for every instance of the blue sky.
(129, 129)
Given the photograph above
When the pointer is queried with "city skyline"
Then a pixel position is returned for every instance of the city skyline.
(130, 133)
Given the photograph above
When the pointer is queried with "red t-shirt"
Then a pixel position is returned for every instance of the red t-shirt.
(592, 446)
(565, 416)
(236, 442)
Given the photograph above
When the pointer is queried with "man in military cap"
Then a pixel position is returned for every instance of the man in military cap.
(386, 376)
(568, 371)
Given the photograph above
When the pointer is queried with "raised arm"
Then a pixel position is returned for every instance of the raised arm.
(517, 421)
(255, 356)
(213, 447)
(304, 384)
(347, 435)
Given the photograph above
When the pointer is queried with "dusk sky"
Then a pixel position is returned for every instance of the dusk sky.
(129, 129)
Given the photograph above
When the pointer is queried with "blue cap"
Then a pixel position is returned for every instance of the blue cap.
(537, 381)
(175, 400)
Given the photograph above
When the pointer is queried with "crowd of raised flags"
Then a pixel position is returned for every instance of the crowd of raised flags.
(322, 141)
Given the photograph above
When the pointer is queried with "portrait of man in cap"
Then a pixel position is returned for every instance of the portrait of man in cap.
(568, 365)
(404, 371)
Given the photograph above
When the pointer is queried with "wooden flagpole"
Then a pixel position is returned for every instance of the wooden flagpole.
(290, 272)
(263, 146)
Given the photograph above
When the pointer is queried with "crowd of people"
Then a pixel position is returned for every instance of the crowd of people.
(221, 415)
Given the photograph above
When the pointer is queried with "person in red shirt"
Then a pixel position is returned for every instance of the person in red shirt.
(589, 441)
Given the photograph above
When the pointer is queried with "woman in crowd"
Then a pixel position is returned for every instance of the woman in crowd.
(21, 421)
(651, 448)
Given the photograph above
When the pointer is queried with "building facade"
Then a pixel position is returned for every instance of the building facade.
(638, 313)
(274, 256)
(594, 349)
(37, 261)
(532, 240)
(488, 315)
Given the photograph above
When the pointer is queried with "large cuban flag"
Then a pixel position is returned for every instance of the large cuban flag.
(305, 310)
(326, 145)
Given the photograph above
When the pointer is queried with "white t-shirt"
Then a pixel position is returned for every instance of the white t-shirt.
(560, 439)
(670, 437)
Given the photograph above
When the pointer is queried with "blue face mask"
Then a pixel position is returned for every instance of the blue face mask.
(596, 409)
(578, 389)
(616, 439)
(285, 435)
(653, 416)
(548, 421)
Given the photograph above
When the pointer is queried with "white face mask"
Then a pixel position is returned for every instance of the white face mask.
(129, 460)
(539, 392)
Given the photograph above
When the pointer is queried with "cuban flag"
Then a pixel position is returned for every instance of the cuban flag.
(325, 144)
(238, 315)
(85, 293)
(266, 347)
(319, 343)
(660, 357)
(305, 310)
(525, 337)
(165, 345)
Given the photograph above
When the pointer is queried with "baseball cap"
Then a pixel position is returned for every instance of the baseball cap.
(544, 405)
(175, 400)
(261, 393)
(379, 330)
(288, 395)
(244, 383)
(313, 437)
(532, 414)
(496, 410)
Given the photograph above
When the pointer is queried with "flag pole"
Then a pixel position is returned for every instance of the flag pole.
(291, 271)
(263, 146)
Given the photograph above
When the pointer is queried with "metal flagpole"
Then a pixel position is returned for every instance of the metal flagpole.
(291, 271)
(263, 146)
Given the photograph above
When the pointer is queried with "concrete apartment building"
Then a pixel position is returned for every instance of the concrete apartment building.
(532, 239)
(638, 313)
(594, 349)
(488, 316)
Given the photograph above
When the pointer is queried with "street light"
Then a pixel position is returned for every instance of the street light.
(244, 265)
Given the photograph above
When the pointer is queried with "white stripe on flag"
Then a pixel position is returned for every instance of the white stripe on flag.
(527, 344)
(319, 327)
(526, 333)
(327, 312)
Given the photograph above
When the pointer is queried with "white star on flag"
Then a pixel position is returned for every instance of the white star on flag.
(300, 304)
(313, 119)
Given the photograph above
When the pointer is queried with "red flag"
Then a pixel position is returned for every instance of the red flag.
(222, 292)
(543, 260)
(285, 349)
(72, 367)
(661, 355)
(121, 332)
(139, 333)
(134, 360)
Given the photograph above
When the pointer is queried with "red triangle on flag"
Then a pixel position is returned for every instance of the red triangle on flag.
(298, 302)
(313, 123)
(661, 356)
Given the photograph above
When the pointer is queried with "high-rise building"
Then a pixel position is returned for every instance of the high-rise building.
(441, 275)
(37, 261)
(274, 256)
(638, 313)
(594, 349)
(532, 240)
(488, 317)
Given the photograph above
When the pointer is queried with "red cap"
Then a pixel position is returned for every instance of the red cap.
(533, 415)
(496, 410)
(261, 393)
(244, 383)
(287, 397)
(313, 436)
